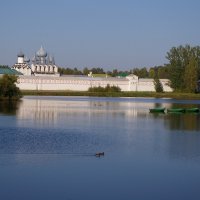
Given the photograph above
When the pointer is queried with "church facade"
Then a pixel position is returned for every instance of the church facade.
(42, 74)
(42, 64)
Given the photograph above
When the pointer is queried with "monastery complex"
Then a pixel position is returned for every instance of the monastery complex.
(41, 73)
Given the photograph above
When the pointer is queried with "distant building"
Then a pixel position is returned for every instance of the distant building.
(22, 65)
(42, 64)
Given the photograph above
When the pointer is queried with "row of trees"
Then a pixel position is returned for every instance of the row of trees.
(161, 71)
(85, 71)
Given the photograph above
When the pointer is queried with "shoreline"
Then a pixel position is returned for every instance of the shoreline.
(173, 95)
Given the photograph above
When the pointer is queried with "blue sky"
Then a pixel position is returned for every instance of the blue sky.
(120, 34)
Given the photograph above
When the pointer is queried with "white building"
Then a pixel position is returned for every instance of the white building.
(42, 64)
(22, 65)
(43, 75)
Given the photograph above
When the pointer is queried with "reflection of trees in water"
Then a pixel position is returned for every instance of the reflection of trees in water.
(9, 107)
(184, 138)
(181, 121)
(158, 105)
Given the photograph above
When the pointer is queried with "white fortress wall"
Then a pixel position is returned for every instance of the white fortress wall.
(67, 83)
(145, 85)
(51, 83)
(165, 84)
(84, 83)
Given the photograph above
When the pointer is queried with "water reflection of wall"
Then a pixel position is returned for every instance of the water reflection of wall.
(49, 111)
(37, 110)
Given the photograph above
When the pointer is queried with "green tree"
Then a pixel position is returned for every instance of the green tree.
(140, 72)
(113, 88)
(163, 72)
(97, 70)
(108, 88)
(151, 73)
(143, 73)
(8, 87)
(76, 71)
(179, 58)
(86, 71)
(114, 72)
(191, 75)
(176, 68)
(158, 85)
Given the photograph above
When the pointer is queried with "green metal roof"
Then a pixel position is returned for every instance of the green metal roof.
(8, 70)
(123, 74)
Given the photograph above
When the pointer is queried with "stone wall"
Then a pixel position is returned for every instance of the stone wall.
(83, 83)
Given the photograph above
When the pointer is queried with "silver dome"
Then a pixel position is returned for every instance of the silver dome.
(26, 59)
(41, 52)
(20, 54)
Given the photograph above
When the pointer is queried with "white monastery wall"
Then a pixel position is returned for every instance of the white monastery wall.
(83, 83)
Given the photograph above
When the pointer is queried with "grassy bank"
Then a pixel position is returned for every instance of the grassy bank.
(114, 94)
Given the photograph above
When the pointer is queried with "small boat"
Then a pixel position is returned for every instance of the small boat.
(156, 110)
(176, 110)
(192, 110)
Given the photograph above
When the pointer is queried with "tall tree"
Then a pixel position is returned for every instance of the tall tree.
(151, 73)
(179, 58)
(176, 69)
(158, 85)
(191, 75)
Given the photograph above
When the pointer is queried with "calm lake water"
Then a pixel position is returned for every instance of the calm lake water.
(47, 147)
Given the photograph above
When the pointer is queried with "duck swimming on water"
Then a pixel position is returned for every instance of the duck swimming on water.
(99, 154)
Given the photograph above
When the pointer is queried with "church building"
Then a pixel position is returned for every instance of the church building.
(42, 64)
